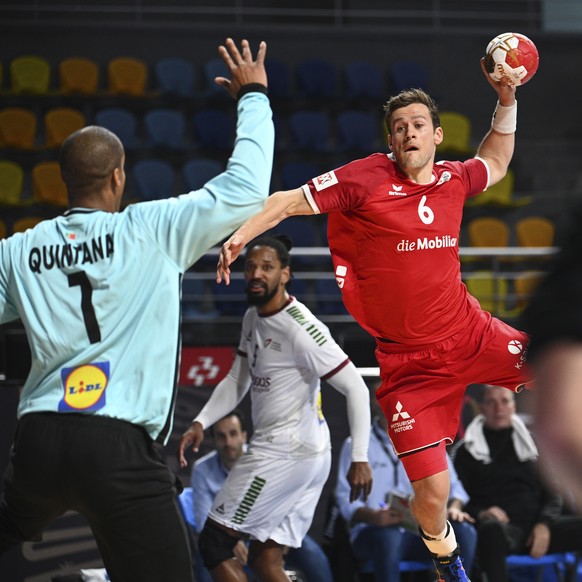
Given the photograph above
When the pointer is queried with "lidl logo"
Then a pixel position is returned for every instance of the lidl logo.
(84, 387)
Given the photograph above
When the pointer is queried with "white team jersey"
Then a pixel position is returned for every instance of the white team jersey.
(288, 352)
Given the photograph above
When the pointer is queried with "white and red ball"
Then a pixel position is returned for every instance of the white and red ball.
(512, 55)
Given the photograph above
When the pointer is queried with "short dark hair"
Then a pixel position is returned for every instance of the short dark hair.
(88, 157)
(236, 412)
(280, 243)
(408, 97)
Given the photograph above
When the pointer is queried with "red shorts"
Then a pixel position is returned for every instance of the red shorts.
(423, 386)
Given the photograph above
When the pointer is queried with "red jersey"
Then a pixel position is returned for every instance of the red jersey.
(394, 245)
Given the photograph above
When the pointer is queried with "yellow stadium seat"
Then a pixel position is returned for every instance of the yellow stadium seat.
(491, 291)
(525, 284)
(457, 130)
(535, 231)
(11, 181)
(500, 194)
(127, 75)
(30, 74)
(17, 128)
(78, 75)
(48, 186)
(488, 232)
(61, 122)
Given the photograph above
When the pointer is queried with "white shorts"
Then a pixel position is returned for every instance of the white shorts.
(272, 498)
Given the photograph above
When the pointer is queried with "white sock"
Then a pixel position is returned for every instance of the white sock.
(443, 544)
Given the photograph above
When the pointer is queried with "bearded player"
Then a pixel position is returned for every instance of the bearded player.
(271, 493)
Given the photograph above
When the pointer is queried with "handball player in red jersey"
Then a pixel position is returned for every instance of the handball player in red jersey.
(393, 229)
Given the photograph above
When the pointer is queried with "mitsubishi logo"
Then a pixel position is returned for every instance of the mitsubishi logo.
(403, 415)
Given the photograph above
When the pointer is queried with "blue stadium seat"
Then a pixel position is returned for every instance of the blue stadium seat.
(295, 174)
(215, 67)
(408, 75)
(165, 128)
(360, 131)
(551, 566)
(317, 79)
(214, 129)
(364, 80)
(198, 171)
(154, 179)
(122, 122)
(310, 130)
(280, 79)
(176, 76)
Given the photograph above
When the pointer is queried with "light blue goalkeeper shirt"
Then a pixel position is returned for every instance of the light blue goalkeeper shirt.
(99, 292)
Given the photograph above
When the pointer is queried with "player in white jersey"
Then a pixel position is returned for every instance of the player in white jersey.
(271, 493)
(98, 292)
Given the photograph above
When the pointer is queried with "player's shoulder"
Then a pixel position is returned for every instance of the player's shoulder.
(298, 313)
(460, 166)
(300, 319)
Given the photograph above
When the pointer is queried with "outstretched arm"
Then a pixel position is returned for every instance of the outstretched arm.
(279, 206)
(499, 142)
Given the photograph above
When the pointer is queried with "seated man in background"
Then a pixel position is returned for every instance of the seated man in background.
(208, 475)
(515, 511)
(379, 532)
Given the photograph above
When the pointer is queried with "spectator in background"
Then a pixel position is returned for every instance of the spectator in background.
(378, 532)
(515, 511)
(209, 474)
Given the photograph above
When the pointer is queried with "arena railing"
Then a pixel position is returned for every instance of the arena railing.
(503, 266)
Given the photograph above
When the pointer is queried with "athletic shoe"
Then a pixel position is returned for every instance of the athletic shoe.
(450, 568)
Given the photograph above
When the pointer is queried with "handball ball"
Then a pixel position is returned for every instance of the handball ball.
(512, 55)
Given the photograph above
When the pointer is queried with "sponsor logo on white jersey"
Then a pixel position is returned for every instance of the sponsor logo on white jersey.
(325, 181)
(427, 243)
(396, 191)
(401, 420)
(269, 343)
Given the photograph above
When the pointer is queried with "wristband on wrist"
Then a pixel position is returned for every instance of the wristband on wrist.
(251, 88)
(505, 118)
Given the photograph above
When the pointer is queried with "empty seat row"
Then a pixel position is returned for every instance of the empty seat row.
(310, 130)
(530, 231)
(129, 75)
(149, 178)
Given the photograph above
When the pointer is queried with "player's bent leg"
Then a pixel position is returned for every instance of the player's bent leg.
(267, 561)
(431, 492)
(216, 545)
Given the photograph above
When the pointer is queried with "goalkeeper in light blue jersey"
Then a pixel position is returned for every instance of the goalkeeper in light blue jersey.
(98, 292)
